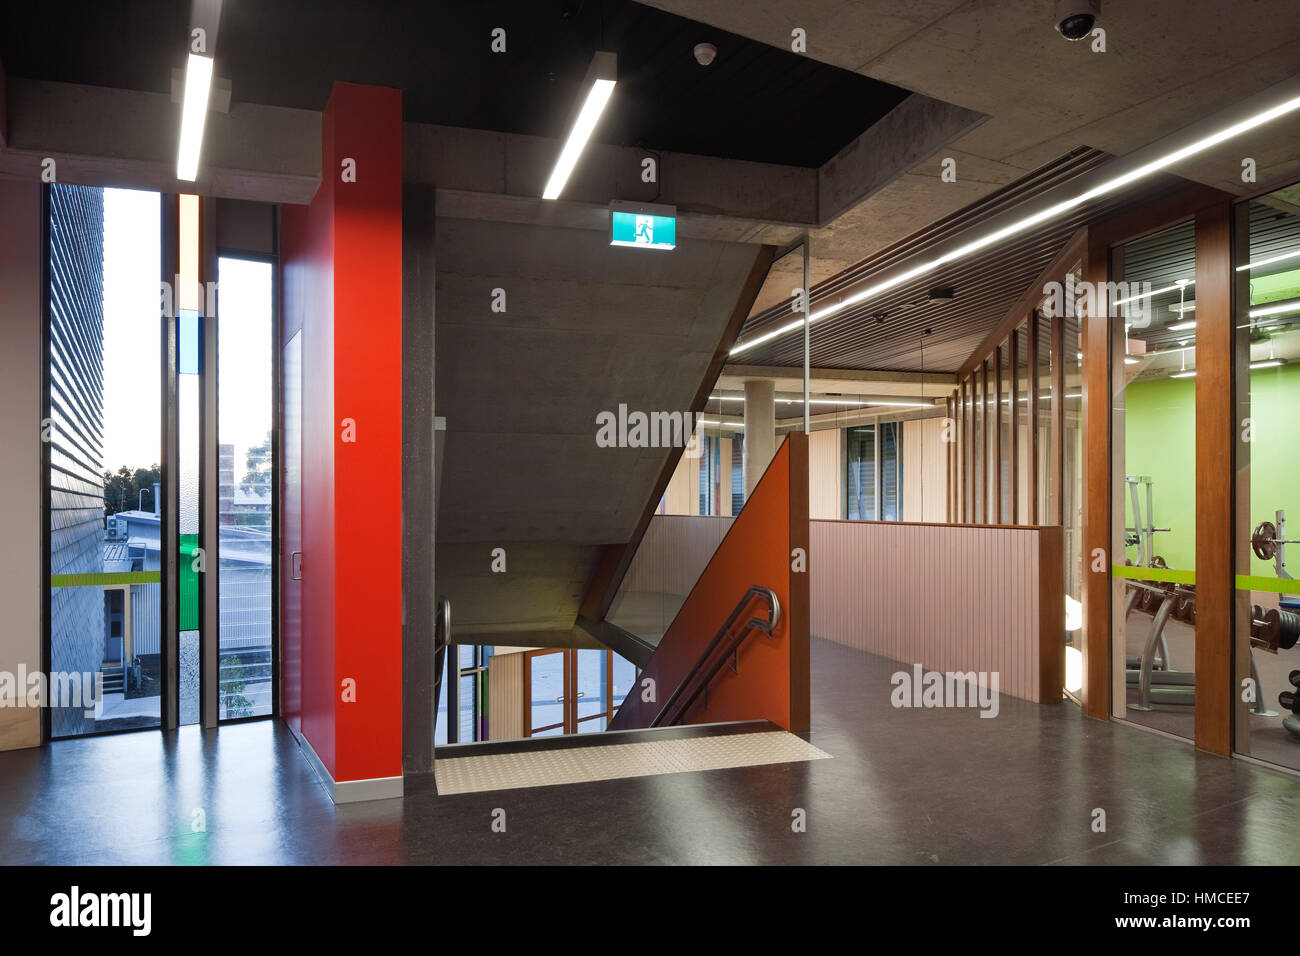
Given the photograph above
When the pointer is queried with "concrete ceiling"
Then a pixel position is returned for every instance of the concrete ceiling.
(587, 327)
(290, 52)
(1168, 63)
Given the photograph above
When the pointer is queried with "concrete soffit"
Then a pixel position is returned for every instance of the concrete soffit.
(127, 138)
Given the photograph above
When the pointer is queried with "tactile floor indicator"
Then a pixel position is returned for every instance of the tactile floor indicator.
(544, 768)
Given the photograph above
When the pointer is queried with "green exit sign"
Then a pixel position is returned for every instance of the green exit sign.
(644, 225)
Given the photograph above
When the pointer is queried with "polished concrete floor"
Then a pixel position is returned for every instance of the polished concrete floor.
(908, 786)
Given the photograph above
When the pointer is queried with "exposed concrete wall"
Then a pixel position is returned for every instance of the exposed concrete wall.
(479, 161)
(585, 327)
(419, 511)
(110, 137)
(21, 479)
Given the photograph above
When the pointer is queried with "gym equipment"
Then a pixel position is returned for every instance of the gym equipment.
(1158, 683)
(1269, 542)
(1142, 533)
(1161, 684)
(1275, 627)
(1291, 701)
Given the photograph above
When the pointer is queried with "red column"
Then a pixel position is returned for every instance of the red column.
(342, 259)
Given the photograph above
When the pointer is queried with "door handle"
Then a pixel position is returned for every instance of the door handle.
(295, 565)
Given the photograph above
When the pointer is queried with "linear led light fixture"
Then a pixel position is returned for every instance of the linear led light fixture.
(1270, 363)
(1182, 326)
(827, 401)
(1154, 292)
(1280, 309)
(194, 112)
(1269, 261)
(1190, 373)
(710, 421)
(597, 87)
(1051, 212)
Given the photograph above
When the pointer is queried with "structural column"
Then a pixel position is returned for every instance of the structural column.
(760, 429)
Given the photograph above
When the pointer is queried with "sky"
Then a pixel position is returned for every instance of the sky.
(132, 384)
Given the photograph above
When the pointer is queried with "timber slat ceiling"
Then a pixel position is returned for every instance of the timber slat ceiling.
(888, 332)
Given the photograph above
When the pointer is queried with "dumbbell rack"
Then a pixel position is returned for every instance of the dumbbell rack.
(1157, 682)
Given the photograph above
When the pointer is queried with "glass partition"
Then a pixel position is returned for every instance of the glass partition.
(1154, 489)
(1267, 269)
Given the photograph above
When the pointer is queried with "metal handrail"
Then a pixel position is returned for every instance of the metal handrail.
(767, 626)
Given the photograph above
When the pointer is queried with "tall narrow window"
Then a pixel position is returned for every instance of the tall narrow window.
(891, 483)
(103, 415)
(245, 481)
(737, 473)
(860, 479)
(190, 297)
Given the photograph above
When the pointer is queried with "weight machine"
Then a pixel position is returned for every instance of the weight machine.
(1274, 628)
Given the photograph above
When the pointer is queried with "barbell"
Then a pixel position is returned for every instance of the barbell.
(1264, 540)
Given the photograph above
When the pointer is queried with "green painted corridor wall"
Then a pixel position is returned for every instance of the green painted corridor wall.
(1160, 441)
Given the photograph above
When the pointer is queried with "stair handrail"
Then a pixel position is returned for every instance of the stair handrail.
(767, 626)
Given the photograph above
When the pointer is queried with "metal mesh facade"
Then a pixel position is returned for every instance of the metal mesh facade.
(76, 433)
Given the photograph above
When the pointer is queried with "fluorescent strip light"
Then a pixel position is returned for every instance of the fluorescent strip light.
(1182, 326)
(194, 113)
(1275, 309)
(1268, 262)
(709, 421)
(1130, 360)
(1271, 363)
(827, 401)
(1154, 292)
(1189, 374)
(601, 75)
(1022, 225)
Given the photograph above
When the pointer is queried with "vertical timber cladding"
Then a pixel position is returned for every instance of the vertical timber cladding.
(1215, 434)
(1094, 336)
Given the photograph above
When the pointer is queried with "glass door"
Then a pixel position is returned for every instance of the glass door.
(591, 690)
(546, 684)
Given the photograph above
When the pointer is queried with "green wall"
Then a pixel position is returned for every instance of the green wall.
(1160, 441)
(1275, 456)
